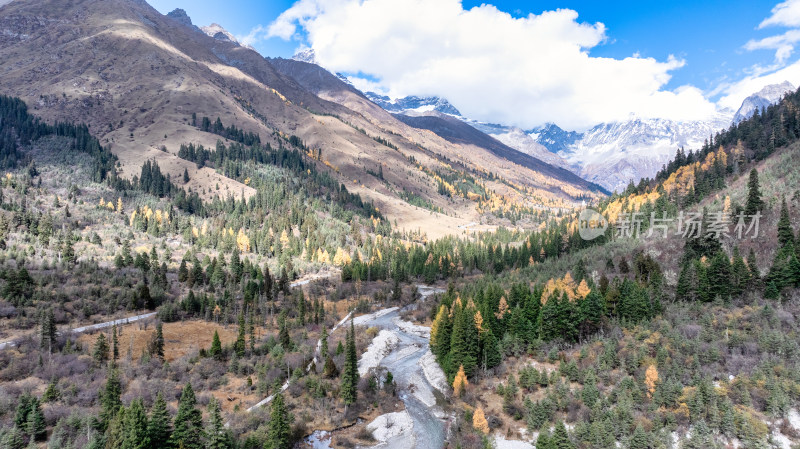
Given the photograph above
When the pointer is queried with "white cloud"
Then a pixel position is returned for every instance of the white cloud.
(783, 14)
(786, 14)
(735, 93)
(252, 37)
(524, 71)
(783, 44)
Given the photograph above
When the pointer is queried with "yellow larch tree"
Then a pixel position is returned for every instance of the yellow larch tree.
(284, 239)
(341, 258)
(242, 241)
(650, 380)
(479, 322)
(438, 322)
(460, 383)
(583, 289)
(502, 308)
(479, 421)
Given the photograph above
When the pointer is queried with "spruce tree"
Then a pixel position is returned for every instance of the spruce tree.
(239, 346)
(560, 438)
(110, 401)
(639, 440)
(592, 311)
(159, 427)
(217, 437)
(134, 425)
(740, 274)
(100, 353)
(183, 271)
(323, 351)
(156, 345)
(543, 441)
(549, 326)
(754, 202)
(440, 334)
(785, 231)
(279, 435)
(350, 376)
(329, 370)
(216, 346)
(114, 343)
(115, 431)
(752, 265)
(51, 394)
(719, 276)
(491, 356)
(23, 410)
(464, 343)
(188, 432)
(48, 330)
(283, 332)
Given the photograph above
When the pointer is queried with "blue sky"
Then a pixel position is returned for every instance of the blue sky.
(708, 39)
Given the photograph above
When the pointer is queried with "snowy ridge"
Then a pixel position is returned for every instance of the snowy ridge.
(217, 32)
(413, 105)
(768, 95)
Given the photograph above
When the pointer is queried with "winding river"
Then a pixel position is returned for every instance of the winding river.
(416, 374)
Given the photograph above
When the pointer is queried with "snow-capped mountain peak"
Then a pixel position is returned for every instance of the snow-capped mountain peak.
(306, 55)
(217, 32)
(768, 95)
(413, 105)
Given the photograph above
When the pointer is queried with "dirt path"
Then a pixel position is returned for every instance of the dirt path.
(91, 327)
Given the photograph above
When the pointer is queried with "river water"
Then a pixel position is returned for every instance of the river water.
(416, 374)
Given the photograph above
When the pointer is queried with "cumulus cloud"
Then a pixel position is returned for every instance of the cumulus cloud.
(517, 70)
(733, 94)
(786, 14)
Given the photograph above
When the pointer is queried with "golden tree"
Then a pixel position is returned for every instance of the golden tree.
(502, 308)
(479, 421)
(441, 315)
(479, 322)
(460, 383)
(650, 379)
(583, 289)
(242, 241)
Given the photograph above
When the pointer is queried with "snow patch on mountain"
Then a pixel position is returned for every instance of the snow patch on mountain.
(525, 143)
(770, 94)
(413, 105)
(306, 55)
(217, 32)
(554, 138)
(613, 154)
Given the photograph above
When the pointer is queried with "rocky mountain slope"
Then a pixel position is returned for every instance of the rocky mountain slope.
(136, 77)
(768, 95)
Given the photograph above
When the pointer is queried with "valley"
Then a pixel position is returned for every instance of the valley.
(204, 247)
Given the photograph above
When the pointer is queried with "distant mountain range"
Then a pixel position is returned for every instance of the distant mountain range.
(609, 154)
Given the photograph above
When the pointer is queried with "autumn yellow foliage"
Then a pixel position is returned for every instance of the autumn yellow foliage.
(650, 379)
(437, 323)
(479, 421)
(460, 383)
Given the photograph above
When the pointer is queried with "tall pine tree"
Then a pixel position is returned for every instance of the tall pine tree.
(188, 431)
(754, 202)
(279, 435)
(159, 427)
(350, 376)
